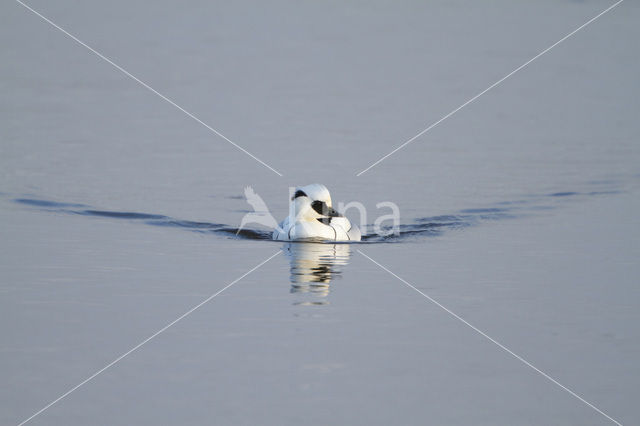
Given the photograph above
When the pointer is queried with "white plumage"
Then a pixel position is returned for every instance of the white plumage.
(312, 218)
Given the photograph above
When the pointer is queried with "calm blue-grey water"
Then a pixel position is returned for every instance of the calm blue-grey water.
(520, 213)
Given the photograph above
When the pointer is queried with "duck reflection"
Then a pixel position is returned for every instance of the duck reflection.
(313, 266)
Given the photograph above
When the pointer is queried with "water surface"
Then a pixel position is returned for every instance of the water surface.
(520, 213)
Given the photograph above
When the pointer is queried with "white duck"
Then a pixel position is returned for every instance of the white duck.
(311, 217)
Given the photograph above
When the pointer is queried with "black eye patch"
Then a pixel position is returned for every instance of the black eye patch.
(298, 193)
(320, 207)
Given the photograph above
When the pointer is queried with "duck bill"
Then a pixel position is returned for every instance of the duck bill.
(333, 213)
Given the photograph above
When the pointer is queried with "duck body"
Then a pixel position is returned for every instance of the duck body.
(338, 229)
(312, 218)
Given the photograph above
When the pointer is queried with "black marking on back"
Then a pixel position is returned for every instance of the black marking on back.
(299, 193)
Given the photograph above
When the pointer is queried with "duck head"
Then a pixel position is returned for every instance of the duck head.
(312, 202)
